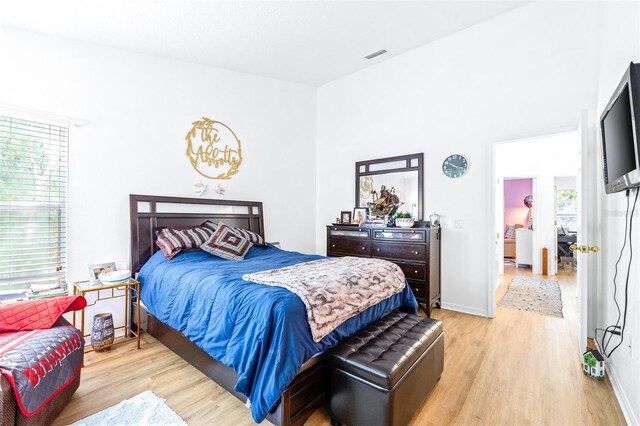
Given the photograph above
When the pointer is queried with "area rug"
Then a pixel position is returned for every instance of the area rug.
(534, 295)
(143, 409)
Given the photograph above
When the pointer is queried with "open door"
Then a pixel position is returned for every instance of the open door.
(587, 246)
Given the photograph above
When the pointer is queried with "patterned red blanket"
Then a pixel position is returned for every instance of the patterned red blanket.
(40, 363)
(37, 314)
(40, 352)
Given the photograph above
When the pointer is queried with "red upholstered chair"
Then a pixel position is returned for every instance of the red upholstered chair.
(43, 314)
(11, 415)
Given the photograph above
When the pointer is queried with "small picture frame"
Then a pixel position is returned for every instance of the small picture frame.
(345, 217)
(98, 268)
(360, 214)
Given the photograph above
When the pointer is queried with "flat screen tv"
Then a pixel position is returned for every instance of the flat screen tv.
(619, 124)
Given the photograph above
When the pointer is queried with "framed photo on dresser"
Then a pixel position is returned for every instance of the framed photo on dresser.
(360, 214)
(345, 217)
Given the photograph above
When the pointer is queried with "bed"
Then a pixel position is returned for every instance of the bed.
(251, 339)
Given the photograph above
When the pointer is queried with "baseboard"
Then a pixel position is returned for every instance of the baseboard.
(465, 309)
(621, 396)
(625, 406)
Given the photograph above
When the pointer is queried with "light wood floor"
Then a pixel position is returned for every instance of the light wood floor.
(519, 368)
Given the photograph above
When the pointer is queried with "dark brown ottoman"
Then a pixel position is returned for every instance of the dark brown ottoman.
(382, 374)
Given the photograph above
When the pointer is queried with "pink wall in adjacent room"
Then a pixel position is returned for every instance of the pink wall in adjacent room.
(514, 192)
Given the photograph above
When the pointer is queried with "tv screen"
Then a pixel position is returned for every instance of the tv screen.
(620, 126)
(617, 133)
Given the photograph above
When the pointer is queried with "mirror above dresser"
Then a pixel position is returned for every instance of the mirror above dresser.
(415, 250)
(401, 176)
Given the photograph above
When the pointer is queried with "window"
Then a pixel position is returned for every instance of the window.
(33, 202)
(567, 209)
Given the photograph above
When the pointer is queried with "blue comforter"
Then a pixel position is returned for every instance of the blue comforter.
(260, 331)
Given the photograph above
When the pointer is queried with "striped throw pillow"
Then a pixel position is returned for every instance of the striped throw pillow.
(172, 241)
(210, 225)
(227, 244)
(254, 237)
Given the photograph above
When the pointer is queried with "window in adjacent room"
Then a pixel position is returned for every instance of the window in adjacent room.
(567, 209)
(33, 202)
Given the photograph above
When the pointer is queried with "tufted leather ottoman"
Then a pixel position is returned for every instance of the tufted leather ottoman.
(382, 374)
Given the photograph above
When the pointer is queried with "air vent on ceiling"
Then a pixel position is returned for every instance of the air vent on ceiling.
(374, 54)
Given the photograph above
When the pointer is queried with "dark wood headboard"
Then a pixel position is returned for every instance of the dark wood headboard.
(151, 211)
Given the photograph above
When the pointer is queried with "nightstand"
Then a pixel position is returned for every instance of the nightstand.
(131, 292)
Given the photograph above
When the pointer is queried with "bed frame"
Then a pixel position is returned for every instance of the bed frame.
(308, 391)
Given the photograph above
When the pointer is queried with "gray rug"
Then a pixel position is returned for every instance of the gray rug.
(534, 295)
(143, 409)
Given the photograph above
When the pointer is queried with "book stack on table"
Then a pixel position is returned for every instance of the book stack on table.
(40, 291)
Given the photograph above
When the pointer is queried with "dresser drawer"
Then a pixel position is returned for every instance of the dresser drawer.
(351, 232)
(419, 290)
(413, 271)
(399, 251)
(400, 235)
(348, 246)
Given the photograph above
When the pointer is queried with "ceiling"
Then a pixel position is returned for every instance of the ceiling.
(309, 42)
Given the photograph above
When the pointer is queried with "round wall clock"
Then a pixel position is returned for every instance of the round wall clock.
(455, 166)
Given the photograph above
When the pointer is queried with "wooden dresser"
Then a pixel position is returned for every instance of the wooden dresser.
(415, 250)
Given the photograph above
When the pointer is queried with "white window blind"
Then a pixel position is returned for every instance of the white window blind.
(33, 202)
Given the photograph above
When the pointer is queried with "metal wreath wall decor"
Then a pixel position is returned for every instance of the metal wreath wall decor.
(213, 149)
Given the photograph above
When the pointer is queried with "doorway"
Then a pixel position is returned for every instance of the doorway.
(518, 221)
(542, 160)
(538, 166)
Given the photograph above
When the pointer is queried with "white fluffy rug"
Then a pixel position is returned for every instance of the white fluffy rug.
(143, 409)
(534, 295)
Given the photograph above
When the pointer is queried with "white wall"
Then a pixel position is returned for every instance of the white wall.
(542, 159)
(525, 73)
(139, 110)
(619, 30)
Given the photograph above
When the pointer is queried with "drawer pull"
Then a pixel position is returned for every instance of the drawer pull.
(364, 248)
(416, 252)
(415, 272)
(413, 232)
(333, 246)
(377, 249)
(417, 289)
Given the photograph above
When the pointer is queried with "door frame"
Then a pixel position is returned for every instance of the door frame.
(493, 277)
